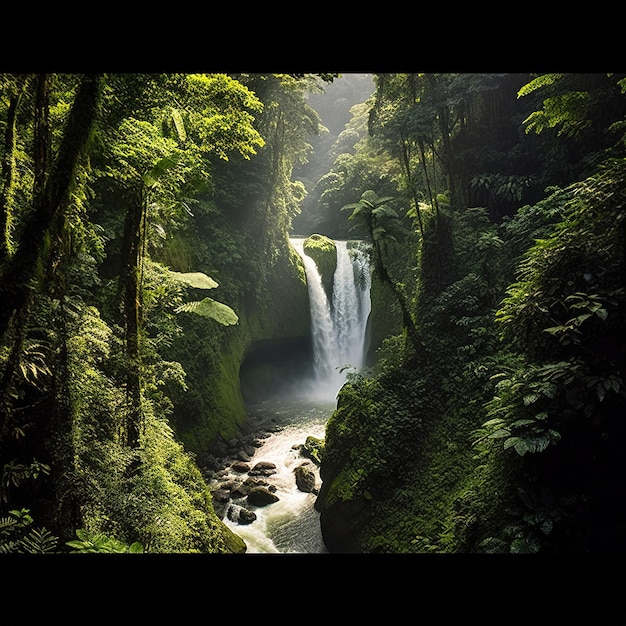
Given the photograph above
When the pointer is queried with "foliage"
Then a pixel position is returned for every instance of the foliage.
(503, 248)
(207, 307)
(13, 474)
(88, 543)
(17, 535)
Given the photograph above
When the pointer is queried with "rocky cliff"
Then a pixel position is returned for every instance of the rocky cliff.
(225, 366)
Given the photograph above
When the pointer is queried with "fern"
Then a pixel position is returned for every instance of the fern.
(17, 536)
(545, 80)
(32, 364)
(38, 541)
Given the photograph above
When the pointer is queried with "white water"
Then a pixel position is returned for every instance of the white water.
(337, 328)
(291, 525)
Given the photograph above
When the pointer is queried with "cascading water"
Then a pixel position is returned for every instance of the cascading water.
(291, 524)
(338, 328)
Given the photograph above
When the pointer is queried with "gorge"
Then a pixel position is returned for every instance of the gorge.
(288, 521)
(159, 314)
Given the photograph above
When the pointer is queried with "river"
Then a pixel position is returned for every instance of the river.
(290, 525)
(338, 330)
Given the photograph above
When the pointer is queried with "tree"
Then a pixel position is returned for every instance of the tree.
(17, 273)
(376, 213)
(153, 161)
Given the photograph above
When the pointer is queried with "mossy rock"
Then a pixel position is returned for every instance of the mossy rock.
(323, 251)
(312, 449)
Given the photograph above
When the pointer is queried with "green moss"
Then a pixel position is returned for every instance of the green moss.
(213, 406)
(385, 318)
(324, 252)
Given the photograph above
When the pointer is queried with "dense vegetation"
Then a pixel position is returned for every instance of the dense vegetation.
(493, 422)
(126, 200)
(144, 257)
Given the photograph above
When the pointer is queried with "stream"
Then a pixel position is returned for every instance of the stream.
(338, 332)
(290, 525)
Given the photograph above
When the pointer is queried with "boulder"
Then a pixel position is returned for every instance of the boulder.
(263, 468)
(242, 455)
(261, 496)
(305, 478)
(240, 467)
(312, 449)
(241, 515)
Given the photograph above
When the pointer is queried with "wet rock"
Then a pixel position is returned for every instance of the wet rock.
(263, 468)
(240, 467)
(241, 515)
(246, 516)
(243, 455)
(261, 496)
(252, 482)
(305, 478)
(221, 495)
(240, 491)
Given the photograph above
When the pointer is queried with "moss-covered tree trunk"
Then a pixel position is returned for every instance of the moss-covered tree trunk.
(8, 180)
(132, 255)
(16, 274)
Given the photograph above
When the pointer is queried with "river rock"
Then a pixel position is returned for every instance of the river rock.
(263, 468)
(261, 496)
(305, 478)
(240, 491)
(255, 481)
(241, 467)
(241, 515)
(221, 495)
(243, 455)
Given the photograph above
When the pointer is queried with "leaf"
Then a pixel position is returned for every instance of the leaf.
(198, 280)
(512, 441)
(555, 435)
(522, 422)
(384, 211)
(151, 178)
(530, 398)
(179, 124)
(521, 447)
(502, 432)
(601, 392)
(218, 311)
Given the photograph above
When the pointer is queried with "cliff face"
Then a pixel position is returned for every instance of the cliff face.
(226, 366)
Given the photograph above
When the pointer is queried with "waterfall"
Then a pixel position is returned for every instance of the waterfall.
(338, 326)
(291, 524)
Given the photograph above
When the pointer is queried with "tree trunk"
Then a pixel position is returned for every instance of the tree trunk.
(8, 180)
(16, 275)
(132, 257)
(383, 274)
(42, 134)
